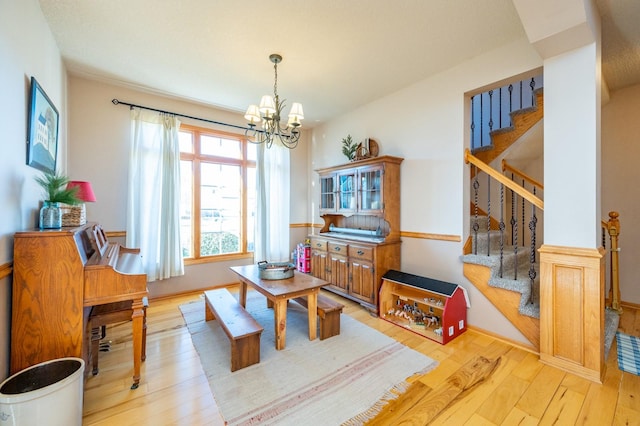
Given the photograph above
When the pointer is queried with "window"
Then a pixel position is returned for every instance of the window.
(218, 204)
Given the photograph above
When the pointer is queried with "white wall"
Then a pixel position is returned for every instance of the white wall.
(99, 137)
(572, 149)
(427, 125)
(620, 175)
(27, 49)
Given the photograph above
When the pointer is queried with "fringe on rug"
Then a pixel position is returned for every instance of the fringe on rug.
(390, 395)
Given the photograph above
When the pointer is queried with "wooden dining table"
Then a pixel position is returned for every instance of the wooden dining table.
(278, 293)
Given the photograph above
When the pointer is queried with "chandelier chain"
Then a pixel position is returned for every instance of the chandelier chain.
(275, 81)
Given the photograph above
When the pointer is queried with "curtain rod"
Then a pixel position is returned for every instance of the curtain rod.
(117, 102)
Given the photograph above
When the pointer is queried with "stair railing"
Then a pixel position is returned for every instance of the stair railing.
(519, 195)
(491, 110)
(612, 228)
(526, 182)
(525, 188)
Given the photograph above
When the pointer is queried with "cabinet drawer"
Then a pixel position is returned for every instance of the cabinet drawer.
(318, 244)
(337, 247)
(361, 252)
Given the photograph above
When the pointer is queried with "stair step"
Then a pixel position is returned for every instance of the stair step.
(491, 238)
(521, 285)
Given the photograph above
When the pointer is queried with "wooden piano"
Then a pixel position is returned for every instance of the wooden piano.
(58, 276)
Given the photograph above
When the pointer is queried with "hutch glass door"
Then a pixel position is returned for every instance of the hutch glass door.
(370, 189)
(328, 193)
(347, 191)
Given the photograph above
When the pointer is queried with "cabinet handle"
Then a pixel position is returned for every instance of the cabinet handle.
(360, 252)
(336, 248)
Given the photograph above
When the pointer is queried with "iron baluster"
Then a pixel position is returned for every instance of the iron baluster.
(490, 111)
(500, 108)
(532, 228)
(476, 185)
(473, 123)
(513, 222)
(532, 84)
(501, 227)
(510, 103)
(488, 215)
(520, 94)
(516, 238)
(481, 121)
(523, 215)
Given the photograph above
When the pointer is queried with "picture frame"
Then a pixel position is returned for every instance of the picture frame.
(42, 131)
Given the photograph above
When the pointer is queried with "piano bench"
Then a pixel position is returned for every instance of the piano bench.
(329, 312)
(240, 327)
(110, 313)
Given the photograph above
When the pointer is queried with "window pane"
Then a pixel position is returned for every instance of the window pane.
(220, 209)
(186, 203)
(211, 145)
(251, 209)
(252, 150)
(186, 141)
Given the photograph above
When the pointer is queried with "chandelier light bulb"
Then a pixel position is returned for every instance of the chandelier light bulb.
(253, 115)
(267, 106)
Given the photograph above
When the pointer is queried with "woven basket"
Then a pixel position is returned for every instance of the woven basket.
(73, 215)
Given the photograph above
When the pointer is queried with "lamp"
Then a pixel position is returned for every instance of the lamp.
(77, 215)
(85, 192)
(269, 114)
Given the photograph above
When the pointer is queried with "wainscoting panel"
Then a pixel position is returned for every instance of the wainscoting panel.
(572, 310)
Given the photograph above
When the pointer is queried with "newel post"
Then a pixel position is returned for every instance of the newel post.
(613, 227)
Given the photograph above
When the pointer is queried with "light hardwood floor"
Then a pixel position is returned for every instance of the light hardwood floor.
(519, 391)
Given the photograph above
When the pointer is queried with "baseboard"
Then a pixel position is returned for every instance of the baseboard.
(630, 305)
(503, 339)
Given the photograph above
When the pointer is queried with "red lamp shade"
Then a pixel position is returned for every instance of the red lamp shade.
(85, 192)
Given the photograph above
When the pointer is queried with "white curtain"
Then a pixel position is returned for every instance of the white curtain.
(272, 210)
(153, 211)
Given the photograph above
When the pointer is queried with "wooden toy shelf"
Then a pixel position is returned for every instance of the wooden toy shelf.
(434, 309)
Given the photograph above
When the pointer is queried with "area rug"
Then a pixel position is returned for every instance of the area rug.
(345, 378)
(628, 353)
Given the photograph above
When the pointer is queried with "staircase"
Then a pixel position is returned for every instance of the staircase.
(508, 274)
(522, 120)
(508, 287)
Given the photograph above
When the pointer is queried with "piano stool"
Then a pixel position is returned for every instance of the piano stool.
(110, 313)
(240, 327)
(329, 313)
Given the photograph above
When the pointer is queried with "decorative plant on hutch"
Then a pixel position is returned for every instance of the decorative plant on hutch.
(56, 192)
(349, 148)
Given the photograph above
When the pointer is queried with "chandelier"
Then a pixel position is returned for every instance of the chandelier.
(270, 113)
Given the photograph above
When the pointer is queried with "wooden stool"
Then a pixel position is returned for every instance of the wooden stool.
(109, 313)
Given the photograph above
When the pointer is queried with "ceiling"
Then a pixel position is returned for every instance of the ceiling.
(337, 54)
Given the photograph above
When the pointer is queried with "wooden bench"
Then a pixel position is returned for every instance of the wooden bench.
(329, 313)
(241, 328)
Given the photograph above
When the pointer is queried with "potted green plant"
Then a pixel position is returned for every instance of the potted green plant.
(56, 192)
(349, 148)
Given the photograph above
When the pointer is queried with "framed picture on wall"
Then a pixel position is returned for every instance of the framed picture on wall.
(42, 133)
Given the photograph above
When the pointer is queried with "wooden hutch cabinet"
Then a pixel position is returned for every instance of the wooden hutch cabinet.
(360, 239)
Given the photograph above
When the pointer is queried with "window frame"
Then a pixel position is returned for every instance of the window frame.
(196, 159)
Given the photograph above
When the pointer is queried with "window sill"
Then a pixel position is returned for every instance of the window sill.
(218, 258)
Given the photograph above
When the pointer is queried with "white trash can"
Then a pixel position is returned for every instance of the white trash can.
(49, 393)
